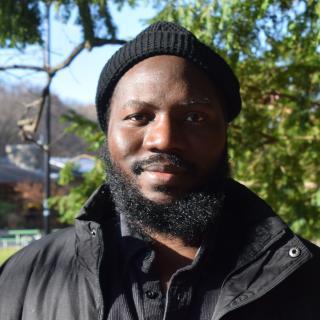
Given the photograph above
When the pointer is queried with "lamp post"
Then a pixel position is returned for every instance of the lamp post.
(47, 129)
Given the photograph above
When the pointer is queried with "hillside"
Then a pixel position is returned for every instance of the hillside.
(13, 103)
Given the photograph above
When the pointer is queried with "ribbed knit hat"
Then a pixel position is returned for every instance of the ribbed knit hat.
(167, 38)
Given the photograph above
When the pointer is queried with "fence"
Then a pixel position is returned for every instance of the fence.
(18, 238)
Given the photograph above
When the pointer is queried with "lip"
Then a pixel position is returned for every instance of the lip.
(165, 169)
(164, 174)
(162, 178)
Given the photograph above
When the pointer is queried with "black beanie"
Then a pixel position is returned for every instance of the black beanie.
(167, 38)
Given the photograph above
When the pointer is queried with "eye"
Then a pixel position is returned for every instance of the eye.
(138, 118)
(195, 117)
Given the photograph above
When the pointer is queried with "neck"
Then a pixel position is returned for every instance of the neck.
(171, 254)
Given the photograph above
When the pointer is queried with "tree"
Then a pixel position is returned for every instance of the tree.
(11, 111)
(13, 106)
(69, 205)
(27, 22)
(274, 47)
(24, 23)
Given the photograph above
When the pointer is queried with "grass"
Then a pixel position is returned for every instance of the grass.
(5, 253)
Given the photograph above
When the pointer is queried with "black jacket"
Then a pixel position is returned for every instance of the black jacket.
(276, 275)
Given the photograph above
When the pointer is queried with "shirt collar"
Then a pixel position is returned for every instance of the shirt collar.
(137, 249)
(132, 244)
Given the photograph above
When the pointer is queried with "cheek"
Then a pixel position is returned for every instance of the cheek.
(208, 147)
(122, 143)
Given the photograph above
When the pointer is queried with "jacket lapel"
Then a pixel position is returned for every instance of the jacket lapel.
(261, 245)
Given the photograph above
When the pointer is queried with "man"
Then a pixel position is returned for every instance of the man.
(170, 236)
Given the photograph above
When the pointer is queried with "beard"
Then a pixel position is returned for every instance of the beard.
(188, 218)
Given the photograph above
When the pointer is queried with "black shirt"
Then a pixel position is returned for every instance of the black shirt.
(131, 288)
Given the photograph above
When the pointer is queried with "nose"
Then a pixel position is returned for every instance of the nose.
(163, 134)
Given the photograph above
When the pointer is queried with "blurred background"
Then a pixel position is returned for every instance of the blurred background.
(51, 55)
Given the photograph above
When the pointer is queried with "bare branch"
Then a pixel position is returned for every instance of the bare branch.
(27, 126)
(32, 104)
(97, 42)
(24, 67)
(27, 136)
(74, 53)
(44, 95)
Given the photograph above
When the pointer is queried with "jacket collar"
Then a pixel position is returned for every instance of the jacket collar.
(249, 230)
(257, 247)
(250, 223)
(97, 213)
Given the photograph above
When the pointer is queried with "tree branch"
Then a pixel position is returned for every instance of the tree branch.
(97, 42)
(44, 95)
(268, 139)
(272, 95)
(291, 97)
(74, 53)
(29, 127)
(25, 67)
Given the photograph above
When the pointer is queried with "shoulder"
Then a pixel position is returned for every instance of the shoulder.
(302, 287)
(25, 277)
(301, 290)
(314, 264)
(48, 250)
(239, 194)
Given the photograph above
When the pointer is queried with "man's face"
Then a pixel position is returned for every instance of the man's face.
(166, 130)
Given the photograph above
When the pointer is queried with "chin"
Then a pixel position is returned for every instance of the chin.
(161, 197)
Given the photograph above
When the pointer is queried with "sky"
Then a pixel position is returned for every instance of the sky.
(77, 83)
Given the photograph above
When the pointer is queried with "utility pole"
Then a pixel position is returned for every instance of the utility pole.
(47, 129)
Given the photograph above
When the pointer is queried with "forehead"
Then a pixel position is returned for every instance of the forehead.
(162, 76)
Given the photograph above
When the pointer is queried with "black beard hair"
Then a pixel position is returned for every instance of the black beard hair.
(187, 218)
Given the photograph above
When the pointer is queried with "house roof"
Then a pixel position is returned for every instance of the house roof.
(10, 173)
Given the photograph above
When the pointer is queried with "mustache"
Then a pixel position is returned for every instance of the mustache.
(163, 158)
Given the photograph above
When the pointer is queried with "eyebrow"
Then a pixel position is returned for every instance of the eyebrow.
(196, 101)
(139, 103)
(187, 103)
